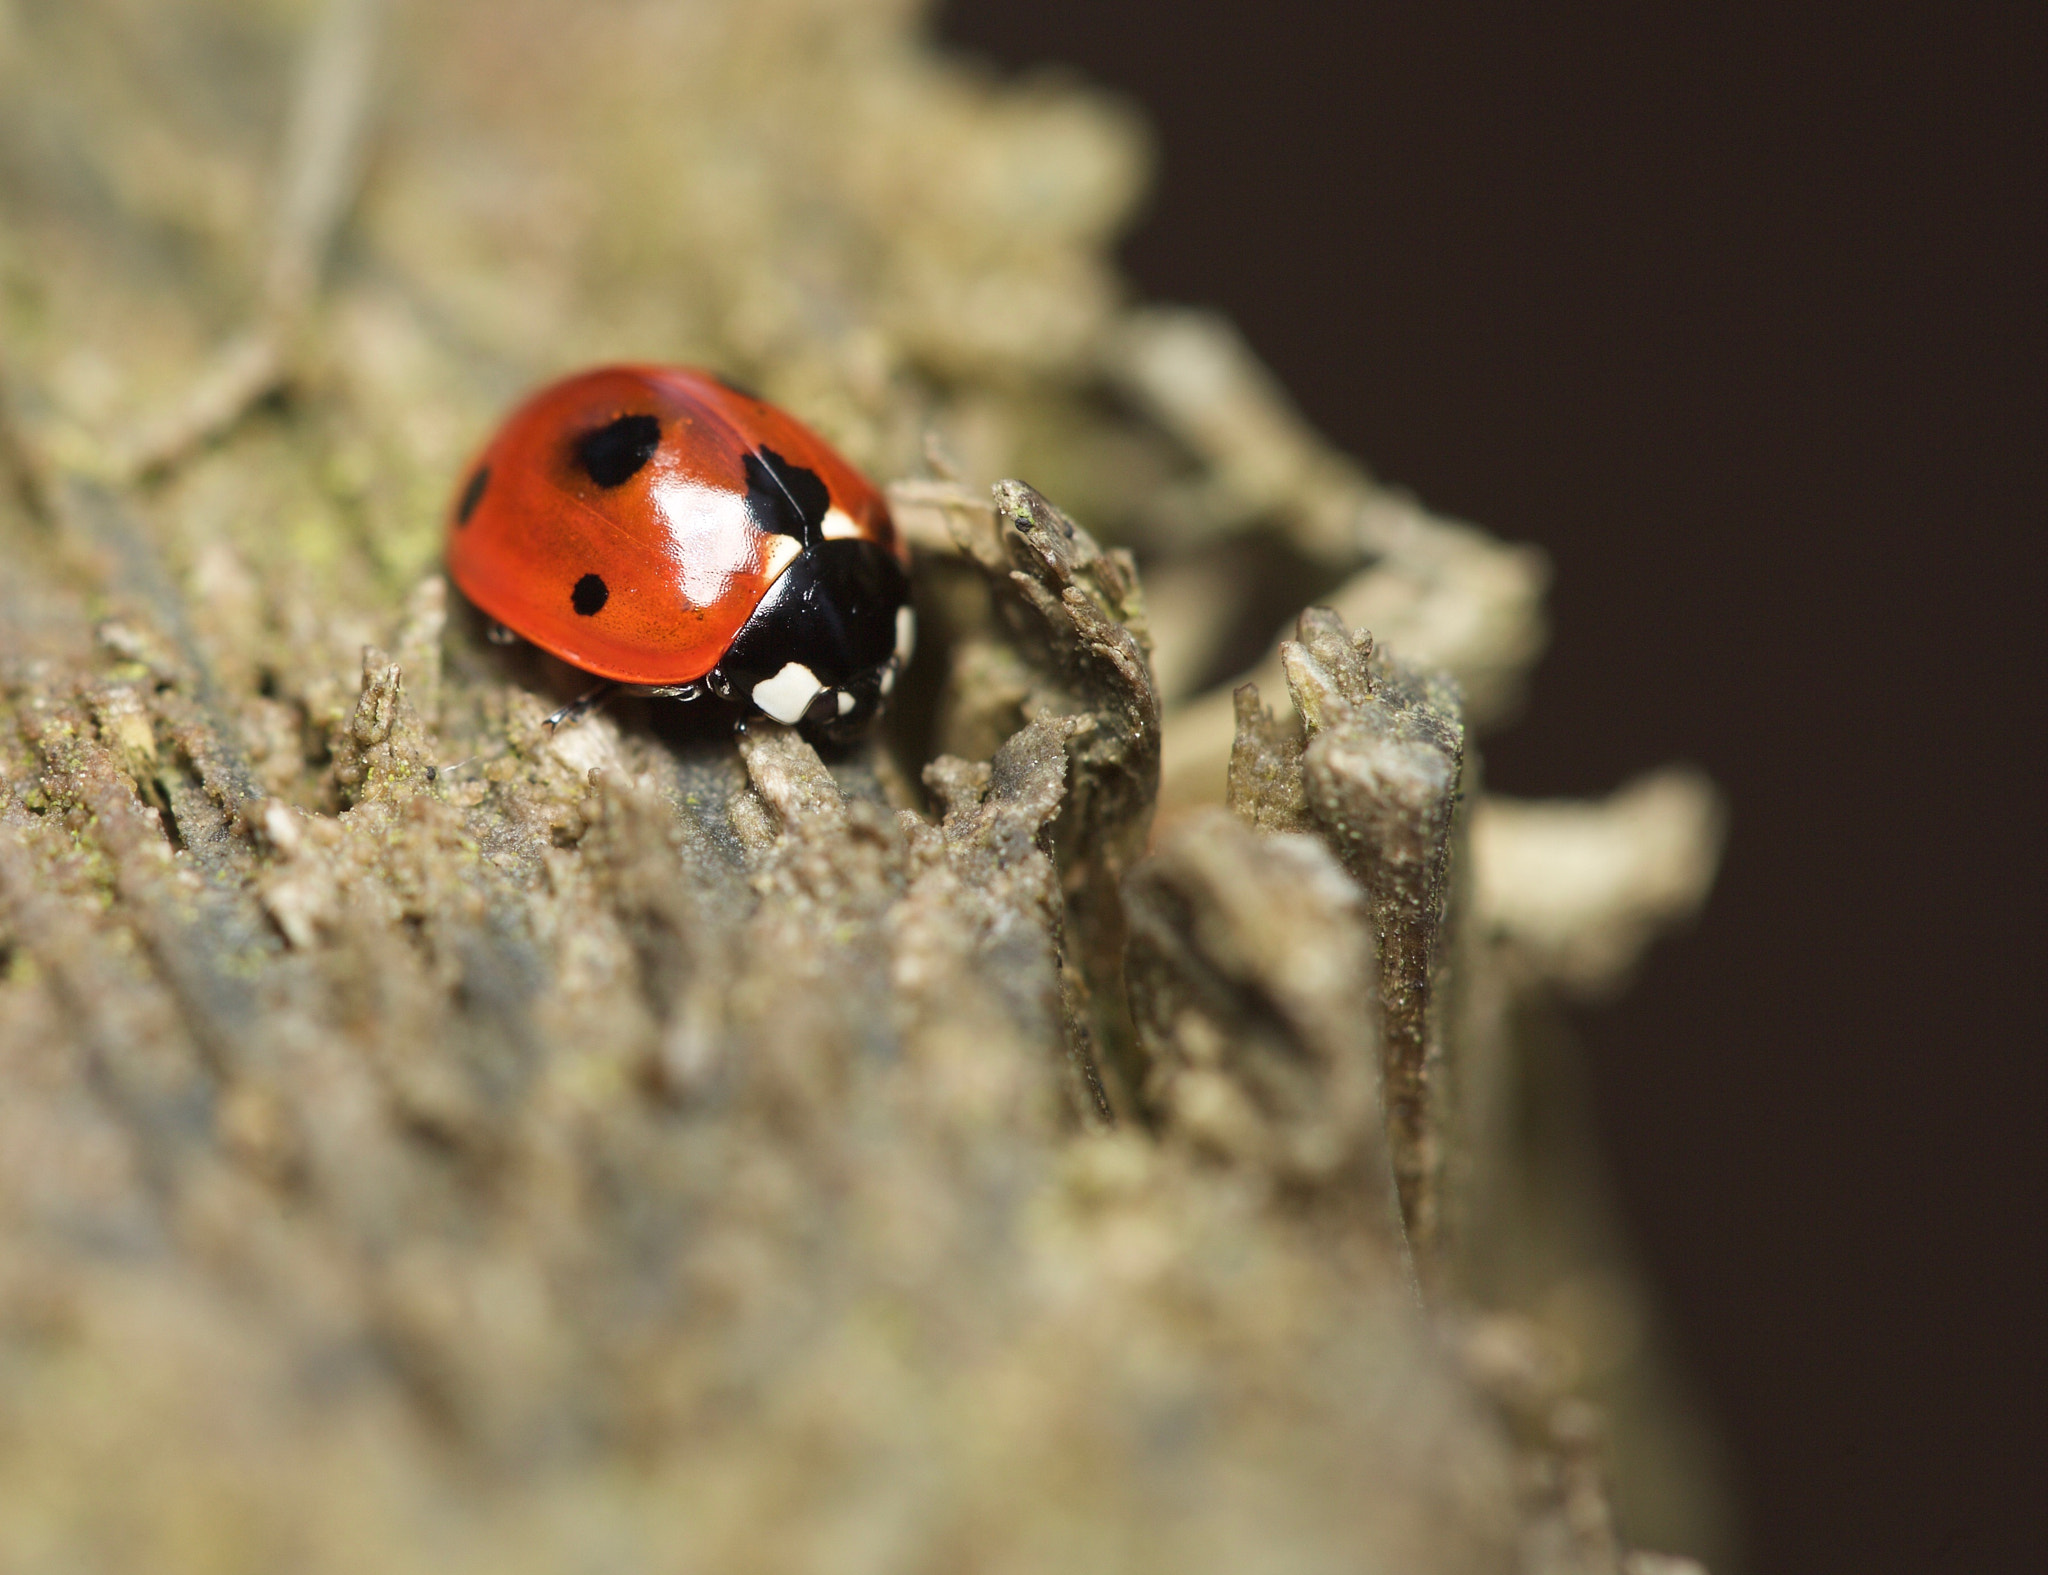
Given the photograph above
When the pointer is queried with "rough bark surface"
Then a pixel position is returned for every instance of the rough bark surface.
(433, 1142)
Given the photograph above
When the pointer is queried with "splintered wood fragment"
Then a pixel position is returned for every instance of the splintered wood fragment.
(324, 148)
(243, 371)
(1251, 980)
(1578, 890)
(1077, 610)
(21, 472)
(1380, 773)
(946, 516)
(1265, 785)
(319, 170)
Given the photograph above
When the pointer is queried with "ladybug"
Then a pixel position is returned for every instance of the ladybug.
(670, 532)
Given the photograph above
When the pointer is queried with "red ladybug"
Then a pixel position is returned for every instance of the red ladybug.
(668, 531)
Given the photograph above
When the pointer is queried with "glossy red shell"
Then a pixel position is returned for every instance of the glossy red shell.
(678, 555)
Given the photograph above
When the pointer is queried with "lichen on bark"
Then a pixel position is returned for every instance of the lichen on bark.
(429, 1141)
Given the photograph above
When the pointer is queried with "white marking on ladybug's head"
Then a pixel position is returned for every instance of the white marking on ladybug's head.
(789, 693)
(888, 678)
(778, 555)
(840, 526)
(906, 634)
(845, 702)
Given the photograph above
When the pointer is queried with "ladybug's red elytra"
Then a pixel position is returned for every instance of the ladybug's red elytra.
(661, 528)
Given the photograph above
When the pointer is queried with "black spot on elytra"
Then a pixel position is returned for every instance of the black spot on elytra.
(473, 494)
(590, 595)
(612, 454)
(786, 499)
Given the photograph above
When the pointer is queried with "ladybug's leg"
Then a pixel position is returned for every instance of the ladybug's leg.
(576, 709)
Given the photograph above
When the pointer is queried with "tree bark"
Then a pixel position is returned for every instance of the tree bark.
(429, 1141)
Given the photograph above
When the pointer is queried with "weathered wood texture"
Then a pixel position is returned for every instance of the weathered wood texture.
(432, 1143)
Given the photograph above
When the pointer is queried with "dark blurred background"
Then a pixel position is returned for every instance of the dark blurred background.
(1739, 313)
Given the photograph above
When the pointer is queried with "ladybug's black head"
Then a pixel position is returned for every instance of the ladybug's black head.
(827, 642)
